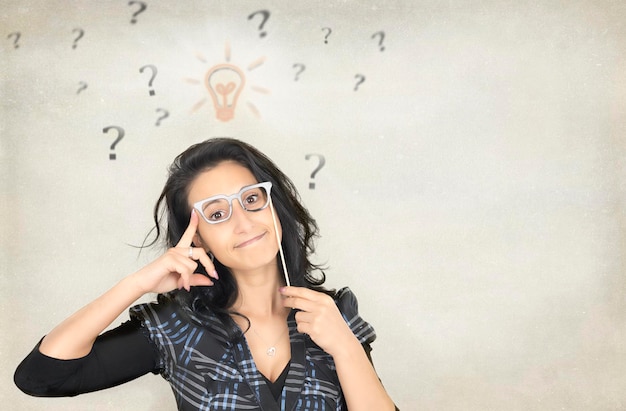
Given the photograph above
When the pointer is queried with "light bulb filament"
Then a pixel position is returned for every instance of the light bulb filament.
(225, 91)
(224, 82)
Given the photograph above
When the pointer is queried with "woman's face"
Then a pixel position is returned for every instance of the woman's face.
(247, 240)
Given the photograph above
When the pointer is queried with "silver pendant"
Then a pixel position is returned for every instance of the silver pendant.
(271, 351)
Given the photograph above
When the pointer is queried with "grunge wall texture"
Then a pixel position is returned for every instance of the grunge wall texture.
(472, 193)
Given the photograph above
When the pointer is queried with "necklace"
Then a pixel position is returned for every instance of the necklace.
(271, 351)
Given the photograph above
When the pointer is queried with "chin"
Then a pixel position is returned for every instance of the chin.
(253, 261)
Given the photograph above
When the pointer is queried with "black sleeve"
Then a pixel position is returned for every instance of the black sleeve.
(118, 356)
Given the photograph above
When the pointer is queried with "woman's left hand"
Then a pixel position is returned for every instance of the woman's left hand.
(319, 317)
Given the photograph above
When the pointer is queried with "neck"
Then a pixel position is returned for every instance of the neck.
(258, 293)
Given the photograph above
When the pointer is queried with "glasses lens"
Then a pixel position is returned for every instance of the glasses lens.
(216, 211)
(254, 199)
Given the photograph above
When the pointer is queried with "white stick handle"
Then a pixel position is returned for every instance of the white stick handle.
(280, 246)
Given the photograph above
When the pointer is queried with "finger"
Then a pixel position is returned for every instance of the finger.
(298, 303)
(187, 237)
(182, 263)
(300, 292)
(303, 317)
(206, 262)
(303, 298)
(303, 328)
(183, 282)
(184, 267)
(200, 280)
(193, 280)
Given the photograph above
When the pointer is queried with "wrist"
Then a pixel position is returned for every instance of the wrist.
(347, 349)
(133, 285)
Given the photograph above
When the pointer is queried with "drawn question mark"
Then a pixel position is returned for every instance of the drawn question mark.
(163, 116)
(120, 135)
(327, 34)
(154, 73)
(81, 33)
(302, 67)
(320, 164)
(382, 37)
(82, 87)
(361, 78)
(142, 7)
(266, 15)
(17, 36)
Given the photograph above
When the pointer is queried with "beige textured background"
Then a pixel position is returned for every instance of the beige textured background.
(472, 196)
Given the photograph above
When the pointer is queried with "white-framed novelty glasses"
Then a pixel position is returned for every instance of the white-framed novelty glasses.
(219, 208)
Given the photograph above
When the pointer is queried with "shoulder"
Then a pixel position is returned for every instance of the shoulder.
(179, 334)
(347, 302)
(154, 314)
(349, 307)
(166, 318)
(158, 321)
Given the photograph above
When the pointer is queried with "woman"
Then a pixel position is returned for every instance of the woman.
(241, 322)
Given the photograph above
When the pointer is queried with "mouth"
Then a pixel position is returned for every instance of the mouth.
(250, 241)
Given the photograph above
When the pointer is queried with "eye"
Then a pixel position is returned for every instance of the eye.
(252, 198)
(216, 211)
(217, 216)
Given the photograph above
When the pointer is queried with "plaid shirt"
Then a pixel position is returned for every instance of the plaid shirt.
(207, 370)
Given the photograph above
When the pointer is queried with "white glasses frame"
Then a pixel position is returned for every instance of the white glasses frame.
(237, 196)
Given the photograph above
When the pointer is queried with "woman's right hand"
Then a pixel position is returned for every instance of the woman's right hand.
(176, 269)
(74, 337)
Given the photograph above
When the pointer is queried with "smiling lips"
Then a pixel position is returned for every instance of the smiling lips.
(250, 241)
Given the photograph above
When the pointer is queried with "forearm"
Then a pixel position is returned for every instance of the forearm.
(360, 384)
(74, 337)
(117, 356)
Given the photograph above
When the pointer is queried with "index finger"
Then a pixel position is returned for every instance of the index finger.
(300, 292)
(187, 237)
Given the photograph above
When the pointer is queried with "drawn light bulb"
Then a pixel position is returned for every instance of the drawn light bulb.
(225, 83)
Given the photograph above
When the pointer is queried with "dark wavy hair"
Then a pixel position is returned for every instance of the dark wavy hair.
(172, 210)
